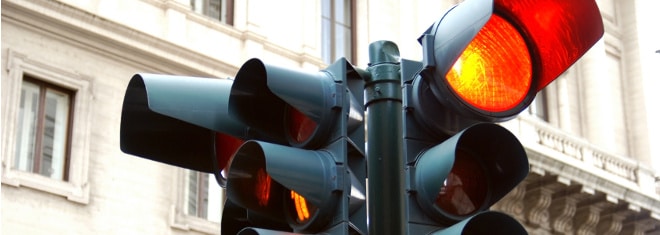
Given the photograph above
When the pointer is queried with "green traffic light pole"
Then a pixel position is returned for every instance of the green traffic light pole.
(385, 160)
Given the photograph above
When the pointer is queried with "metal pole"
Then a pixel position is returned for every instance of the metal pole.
(385, 161)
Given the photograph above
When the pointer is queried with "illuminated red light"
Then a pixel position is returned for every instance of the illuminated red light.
(225, 146)
(464, 190)
(561, 32)
(494, 73)
(262, 187)
(301, 127)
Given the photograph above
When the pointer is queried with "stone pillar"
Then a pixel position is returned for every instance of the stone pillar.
(599, 124)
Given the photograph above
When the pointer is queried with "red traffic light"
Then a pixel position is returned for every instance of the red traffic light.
(488, 59)
(494, 72)
(225, 147)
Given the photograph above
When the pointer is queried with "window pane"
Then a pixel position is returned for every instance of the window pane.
(214, 204)
(53, 146)
(325, 9)
(342, 41)
(203, 192)
(27, 127)
(326, 40)
(214, 9)
(343, 12)
(204, 196)
(336, 39)
(191, 206)
(197, 6)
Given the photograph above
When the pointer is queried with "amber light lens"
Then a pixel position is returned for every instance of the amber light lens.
(494, 73)
(464, 190)
(301, 127)
(303, 210)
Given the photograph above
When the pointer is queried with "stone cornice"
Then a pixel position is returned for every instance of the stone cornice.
(109, 38)
(123, 43)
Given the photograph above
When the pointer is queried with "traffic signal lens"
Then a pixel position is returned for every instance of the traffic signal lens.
(303, 211)
(464, 190)
(225, 147)
(301, 127)
(262, 187)
(494, 73)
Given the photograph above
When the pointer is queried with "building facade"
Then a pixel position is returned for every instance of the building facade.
(66, 63)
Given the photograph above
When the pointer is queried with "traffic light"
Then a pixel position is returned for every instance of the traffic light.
(484, 61)
(313, 180)
(181, 121)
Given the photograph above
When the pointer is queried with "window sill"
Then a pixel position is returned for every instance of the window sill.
(73, 192)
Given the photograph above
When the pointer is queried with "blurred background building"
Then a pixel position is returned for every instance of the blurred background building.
(591, 136)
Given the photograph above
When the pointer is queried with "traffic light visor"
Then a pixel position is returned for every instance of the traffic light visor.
(559, 32)
(290, 106)
(181, 121)
(469, 172)
(279, 182)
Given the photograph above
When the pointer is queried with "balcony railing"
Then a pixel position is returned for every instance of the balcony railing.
(539, 136)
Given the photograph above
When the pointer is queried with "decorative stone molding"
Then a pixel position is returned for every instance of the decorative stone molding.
(576, 188)
(562, 211)
(538, 201)
(587, 218)
(512, 203)
(610, 224)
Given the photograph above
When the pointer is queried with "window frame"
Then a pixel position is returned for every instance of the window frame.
(76, 186)
(40, 129)
(332, 44)
(201, 207)
(179, 217)
(228, 10)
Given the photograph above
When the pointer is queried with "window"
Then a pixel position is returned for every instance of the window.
(222, 10)
(203, 196)
(199, 202)
(42, 145)
(337, 30)
(46, 120)
(539, 107)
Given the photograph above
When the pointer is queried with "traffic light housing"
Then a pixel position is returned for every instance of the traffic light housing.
(291, 143)
(484, 61)
(313, 180)
(181, 121)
